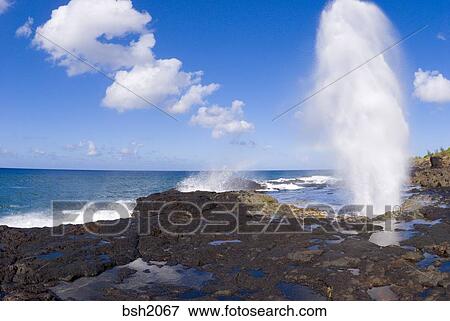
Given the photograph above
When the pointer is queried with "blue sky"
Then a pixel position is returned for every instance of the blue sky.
(260, 52)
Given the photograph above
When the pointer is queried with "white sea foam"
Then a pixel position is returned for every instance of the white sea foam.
(270, 187)
(27, 220)
(291, 184)
(45, 219)
(317, 179)
(222, 181)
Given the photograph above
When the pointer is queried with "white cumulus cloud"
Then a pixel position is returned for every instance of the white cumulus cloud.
(155, 81)
(431, 86)
(25, 30)
(223, 120)
(194, 96)
(87, 28)
(4, 5)
(97, 31)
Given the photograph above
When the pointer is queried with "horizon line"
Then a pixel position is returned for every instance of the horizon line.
(158, 170)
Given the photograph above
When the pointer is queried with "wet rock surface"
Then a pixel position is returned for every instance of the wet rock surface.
(293, 255)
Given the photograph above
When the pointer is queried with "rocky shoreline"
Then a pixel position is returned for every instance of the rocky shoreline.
(433, 171)
(259, 250)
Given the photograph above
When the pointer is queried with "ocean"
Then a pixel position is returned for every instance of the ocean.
(26, 195)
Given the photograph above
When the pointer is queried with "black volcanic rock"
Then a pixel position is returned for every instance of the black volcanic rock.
(436, 162)
(242, 184)
(128, 259)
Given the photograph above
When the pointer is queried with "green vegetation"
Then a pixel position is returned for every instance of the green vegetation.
(442, 152)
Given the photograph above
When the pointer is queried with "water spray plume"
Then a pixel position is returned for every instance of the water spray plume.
(362, 116)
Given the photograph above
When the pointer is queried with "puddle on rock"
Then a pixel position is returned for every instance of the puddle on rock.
(311, 227)
(335, 241)
(135, 276)
(103, 243)
(382, 293)
(50, 256)
(220, 242)
(241, 295)
(104, 258)
(445, 267)
(355, 272)
(425, 293)
(409, 248)
(402, 231)
(386, 238)
(428, 260)
(297, 292)
(408, 226)
(349, 232)
(192, 294)
(256, 273)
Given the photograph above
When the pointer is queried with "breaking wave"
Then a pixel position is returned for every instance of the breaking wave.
(218, 181)
(44, 218)
(286, 184)
(230, 181)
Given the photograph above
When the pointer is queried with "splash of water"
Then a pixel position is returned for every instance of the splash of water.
(362, 115)
(215, 181)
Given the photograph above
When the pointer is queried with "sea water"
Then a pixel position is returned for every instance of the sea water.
(26, 195)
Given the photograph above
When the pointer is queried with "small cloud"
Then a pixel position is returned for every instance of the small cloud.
(92, 149)
(441, 36)
(38, 152)
(72, 147)
(4, 5)
(131, 151)
(244, 143)
(223, 120)
(431, 86)
(4, 151)
(25, 31)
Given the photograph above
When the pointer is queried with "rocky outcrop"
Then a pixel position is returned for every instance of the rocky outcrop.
(251, 203)
(436, 162)
(432, 173)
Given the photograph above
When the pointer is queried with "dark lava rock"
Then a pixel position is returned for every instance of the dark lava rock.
(432, 177)
(436, 162)
(123, 259)
(242, 184)
(436, 174)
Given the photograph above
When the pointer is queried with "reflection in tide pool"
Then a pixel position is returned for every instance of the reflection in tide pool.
(386, 238)
(401, 231)
(136, 275)
(382, 293)
(297, 292)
